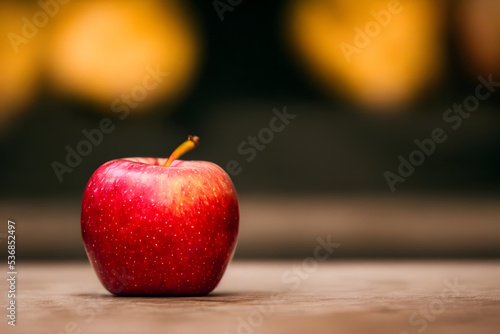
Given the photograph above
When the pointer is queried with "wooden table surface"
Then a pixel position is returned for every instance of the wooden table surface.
(271, 297)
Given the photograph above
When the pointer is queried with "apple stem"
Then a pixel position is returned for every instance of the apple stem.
(188, 145)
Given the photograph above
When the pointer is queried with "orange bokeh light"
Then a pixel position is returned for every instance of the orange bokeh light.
(377, 53)
(479, 35)
(19, 68)
(101, 49)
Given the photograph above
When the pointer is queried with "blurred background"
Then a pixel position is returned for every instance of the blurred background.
(361, 81)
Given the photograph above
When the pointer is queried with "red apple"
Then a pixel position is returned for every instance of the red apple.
(149, 229)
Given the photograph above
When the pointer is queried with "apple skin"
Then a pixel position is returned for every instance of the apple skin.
(153, 230)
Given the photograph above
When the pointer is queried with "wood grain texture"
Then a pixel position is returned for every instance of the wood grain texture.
(271, 297)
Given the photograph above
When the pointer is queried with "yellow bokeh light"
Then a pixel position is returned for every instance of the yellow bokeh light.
(380, 53)
(19, 67)
(100, 49)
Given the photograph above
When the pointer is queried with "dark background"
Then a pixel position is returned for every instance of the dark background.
(248, 70)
